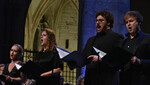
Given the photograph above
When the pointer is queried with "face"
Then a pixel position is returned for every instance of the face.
(132, 25)
(44, 39)
(101, 23)
(14, 53)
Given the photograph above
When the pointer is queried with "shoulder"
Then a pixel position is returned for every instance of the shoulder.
(21, 63)
(146, 36)
(54, 50)
(6, 65)
(91, 38)
(115, 34)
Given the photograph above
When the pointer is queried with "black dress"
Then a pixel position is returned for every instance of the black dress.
(13, 73)
(99, 73)
(49, 60)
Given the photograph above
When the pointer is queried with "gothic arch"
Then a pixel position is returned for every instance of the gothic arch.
(33, 21)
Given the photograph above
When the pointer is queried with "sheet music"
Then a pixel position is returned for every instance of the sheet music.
(18, 66)
(62, 53)
(100, 53)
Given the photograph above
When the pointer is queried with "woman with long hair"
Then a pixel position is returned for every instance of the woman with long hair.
(48, 58)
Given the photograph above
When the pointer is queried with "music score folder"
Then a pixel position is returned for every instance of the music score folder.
(32, 68)
(75, 59)
(117, 58)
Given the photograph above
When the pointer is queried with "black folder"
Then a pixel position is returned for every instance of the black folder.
(33, 69)
(117, 58)
(75, 59)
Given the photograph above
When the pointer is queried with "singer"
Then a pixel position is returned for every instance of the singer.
(137, 71)
(98, 73)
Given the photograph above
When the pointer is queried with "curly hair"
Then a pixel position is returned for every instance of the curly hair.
(51, 38)
(107, 15)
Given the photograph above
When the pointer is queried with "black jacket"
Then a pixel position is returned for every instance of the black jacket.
(138, 74)
(99, 73)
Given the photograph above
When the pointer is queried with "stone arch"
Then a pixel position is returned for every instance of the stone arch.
(58, 20)
(33, 21)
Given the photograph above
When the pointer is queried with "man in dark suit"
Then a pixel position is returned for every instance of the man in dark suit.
(97, 72)
(137, 71)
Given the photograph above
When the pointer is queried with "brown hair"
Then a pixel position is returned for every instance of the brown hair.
(135, 14)
(107, 15)
(51, 37)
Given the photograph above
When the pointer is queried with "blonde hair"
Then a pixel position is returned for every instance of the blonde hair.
(20, 49)
(134, 14)
(51, 38)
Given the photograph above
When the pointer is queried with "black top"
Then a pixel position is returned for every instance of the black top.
(137, 74)
(130, 44)
(49, 60)
(13, 73)
(99, 73)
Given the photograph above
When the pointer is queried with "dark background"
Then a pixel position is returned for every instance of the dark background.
(143, 6)
(12, 24)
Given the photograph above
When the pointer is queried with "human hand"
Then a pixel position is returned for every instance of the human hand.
(8, 78)
(46, 74)
(94, 58)
(134, 59)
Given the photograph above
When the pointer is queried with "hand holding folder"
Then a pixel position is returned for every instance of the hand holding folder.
(117, 58)
(99, 52)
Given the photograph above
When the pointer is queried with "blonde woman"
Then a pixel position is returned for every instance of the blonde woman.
(12, 75)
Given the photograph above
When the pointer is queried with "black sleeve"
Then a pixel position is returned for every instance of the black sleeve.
(59, 62)
(5, 69)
